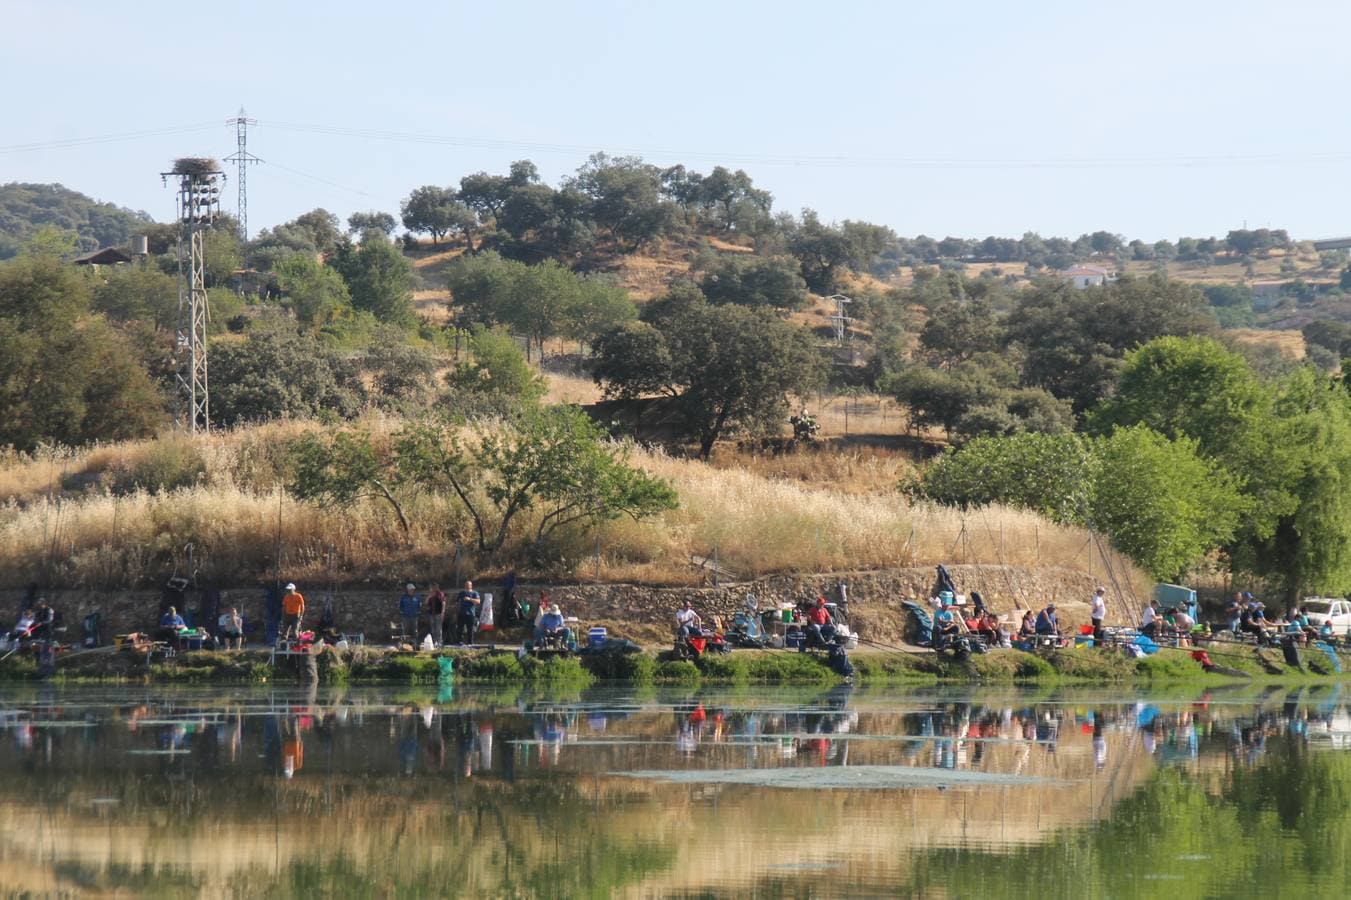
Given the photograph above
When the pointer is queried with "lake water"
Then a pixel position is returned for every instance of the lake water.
(992, 792)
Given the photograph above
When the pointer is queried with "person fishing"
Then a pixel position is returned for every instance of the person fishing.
(1046, 621)
(466, 622)
(292, 611)
(1097, 611)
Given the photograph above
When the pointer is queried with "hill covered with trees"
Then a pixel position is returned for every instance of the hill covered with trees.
(25, 208)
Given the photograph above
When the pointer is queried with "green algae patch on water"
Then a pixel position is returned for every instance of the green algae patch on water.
(839, 777)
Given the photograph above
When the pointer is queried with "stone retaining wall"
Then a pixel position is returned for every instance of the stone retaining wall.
(640, 612)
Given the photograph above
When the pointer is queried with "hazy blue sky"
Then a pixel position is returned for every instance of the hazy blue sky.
(970, 118)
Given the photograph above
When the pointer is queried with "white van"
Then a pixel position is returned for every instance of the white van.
(1322, 609)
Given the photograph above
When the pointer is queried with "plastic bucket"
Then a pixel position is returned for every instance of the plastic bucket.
(446, 665)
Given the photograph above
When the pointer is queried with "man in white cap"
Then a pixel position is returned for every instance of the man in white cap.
(292, 611)
(410, 606)
(1097, 611)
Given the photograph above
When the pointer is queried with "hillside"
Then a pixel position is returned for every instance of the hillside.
(24, 208)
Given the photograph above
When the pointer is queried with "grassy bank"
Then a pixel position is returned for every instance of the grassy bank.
(375, 666)
(120, 515)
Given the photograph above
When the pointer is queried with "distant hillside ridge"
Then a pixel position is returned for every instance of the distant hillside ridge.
(24, 208)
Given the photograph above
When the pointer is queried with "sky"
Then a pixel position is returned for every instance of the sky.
(1149, 119)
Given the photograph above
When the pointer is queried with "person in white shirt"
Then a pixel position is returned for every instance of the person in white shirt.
(231, 627)
(1097, 612)
(686, 619)
(1149, 621)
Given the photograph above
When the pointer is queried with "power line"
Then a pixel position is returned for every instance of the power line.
(901, 162)
(59, 143)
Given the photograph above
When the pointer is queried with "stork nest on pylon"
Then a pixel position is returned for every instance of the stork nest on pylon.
(196, 166)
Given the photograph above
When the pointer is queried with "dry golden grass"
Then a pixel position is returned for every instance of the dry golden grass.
(571, 389)
(816, 512)
(1289, 342)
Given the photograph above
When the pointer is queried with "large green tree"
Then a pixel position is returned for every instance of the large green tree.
(727, 368)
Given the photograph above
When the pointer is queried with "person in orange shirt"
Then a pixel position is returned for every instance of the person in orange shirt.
(292, 609)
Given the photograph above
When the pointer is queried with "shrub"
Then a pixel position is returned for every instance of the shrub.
(169, 463)
(676, 672)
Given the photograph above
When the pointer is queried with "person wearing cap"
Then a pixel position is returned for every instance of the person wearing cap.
(1046, 621)
(945, 625)
(410, 607)
(819, 625)
(466, 620)
(292, 611)
(552, 624)
(1097, 611)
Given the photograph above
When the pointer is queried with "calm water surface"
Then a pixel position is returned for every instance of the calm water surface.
(740, 792)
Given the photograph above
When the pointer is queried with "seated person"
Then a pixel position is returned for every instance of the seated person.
(231, 627)
(1310, 630)
(945, 626)
(820, 629)
(23, 629)
(1182, 624)
(44, 618)
(1325, 632)
(985, 625)
(1257, 621)
(1046, 621)
(1028, 628)
(1150, 620)
(171, 625)
(552, 625)
(687, 620)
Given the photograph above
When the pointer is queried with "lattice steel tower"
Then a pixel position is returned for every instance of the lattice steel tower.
(241, 158)
(199, 184)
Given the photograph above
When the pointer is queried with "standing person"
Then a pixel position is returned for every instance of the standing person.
(466, 620)
(1233, 613)
(436, 611)
(410, 605)
(1097, 611)
(231, 628)
(292, 611)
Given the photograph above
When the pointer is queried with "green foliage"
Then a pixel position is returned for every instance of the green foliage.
(623, 196)
(540, 301)
(380, 280)
(549, 460)
(25, 208)
(68, 376)
(316, 293)
(359, 223)
(138, 292)
(676, 671)
(1160, 503)
(342, 467)
(437, 211)
(401, 376)
(634, 668)
(496, 379)
(277, 373)
(1051, 474)
(822, 251)
(755, 281)
(730, 367)
(1073, 341)
(973, 398)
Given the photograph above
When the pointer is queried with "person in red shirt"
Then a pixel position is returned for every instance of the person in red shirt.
(819, 627)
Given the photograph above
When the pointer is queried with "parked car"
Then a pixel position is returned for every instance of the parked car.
(1322, 609)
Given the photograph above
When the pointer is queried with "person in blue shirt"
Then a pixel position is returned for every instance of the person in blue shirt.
(552, 624)
(410, 607)
(945, 626)
(1046, 621)
(1326, 633)
(466, 622)
(171, 625)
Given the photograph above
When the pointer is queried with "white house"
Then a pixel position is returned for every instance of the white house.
(1087, 276)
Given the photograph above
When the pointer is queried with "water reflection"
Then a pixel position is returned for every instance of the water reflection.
(368, 793)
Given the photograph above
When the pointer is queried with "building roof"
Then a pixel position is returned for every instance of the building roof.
(107, 256)
(1086, 270)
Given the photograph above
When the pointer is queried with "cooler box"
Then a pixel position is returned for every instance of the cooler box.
(597, 636)
(794, 640)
